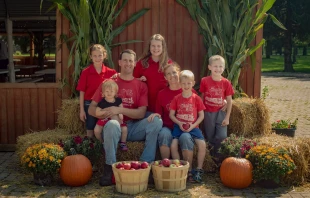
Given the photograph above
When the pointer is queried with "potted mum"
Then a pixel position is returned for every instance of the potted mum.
(270, 165)
(89, 147)
(285, 127)
(43, 160)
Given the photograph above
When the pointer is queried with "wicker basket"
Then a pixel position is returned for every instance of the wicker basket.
(131, 181)
(170, 179)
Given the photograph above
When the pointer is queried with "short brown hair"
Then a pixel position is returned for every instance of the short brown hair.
(173, 64)
(127, 51)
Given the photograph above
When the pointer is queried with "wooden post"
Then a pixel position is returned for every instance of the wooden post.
(9, 31)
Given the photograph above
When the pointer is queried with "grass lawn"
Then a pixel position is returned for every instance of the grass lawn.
(276, 64)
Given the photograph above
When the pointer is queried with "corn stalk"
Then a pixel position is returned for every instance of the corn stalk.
(229, 27)
(91, 21)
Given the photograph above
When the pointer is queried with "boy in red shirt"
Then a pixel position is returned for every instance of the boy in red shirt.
(186, 111)
(215, 89)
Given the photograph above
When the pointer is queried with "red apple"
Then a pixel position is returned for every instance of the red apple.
(132, 169)
(127, 166)
(165, 162)
(135, 165)
(121, 168)
(119, 165)
(144, 165)
(186, 126)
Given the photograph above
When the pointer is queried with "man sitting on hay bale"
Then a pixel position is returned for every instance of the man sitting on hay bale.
(135, 101)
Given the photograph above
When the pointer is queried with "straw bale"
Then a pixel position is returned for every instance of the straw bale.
(135, 150)
(69, 117)
(299, 149)
(249, 118)
(48, 136)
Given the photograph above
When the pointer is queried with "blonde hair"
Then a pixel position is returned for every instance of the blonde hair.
(97, 47)
(215, 58)
(109, 84)
(163, 59)
(173, 64)
(187, 74)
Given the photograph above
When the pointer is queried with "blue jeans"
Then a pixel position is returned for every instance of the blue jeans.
(186, 141)
(90, 121)
(141, 130)
(195, 133)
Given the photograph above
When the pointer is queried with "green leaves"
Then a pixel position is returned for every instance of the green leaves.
(91, 21)
(229, 28)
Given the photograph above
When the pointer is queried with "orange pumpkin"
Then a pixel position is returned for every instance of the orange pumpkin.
(236, 172)
(76, 170)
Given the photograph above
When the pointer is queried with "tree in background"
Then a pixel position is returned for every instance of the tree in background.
(295, 15)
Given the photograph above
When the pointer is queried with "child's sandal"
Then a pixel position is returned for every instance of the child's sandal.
(197, 175)
(190, 177)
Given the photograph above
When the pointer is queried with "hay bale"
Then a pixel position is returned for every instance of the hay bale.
(135, 150)
(48, 136)
(299, 149)
(69, 117)
(249, 118)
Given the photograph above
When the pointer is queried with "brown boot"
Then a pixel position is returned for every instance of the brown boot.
(106, 179)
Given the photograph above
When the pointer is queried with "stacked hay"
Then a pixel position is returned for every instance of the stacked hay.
(48, 136)
(299, 149)
(135, 150)
(69, 117)
(249, 118)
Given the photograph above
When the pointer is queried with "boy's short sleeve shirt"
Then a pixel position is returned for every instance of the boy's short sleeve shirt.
(187, 108)
(90, 80)
(215, 92)
(132, 92)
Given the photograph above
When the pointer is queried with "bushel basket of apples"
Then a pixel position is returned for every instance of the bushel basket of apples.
(131, 177)
(170, 175)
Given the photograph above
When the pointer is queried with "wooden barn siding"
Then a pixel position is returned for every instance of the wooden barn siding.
(185, 45)
(27, 107)
(168, 18)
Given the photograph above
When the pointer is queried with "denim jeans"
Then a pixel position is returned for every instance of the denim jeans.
(186, 141)
(141, 130)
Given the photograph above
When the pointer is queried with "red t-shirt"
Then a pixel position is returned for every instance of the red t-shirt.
(187, 108)
(133, 94)
(90, 80)
(155, 80)
(215, 92)
(163, 101)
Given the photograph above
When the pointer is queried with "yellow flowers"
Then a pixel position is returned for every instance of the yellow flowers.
(270, 163)
(43, 158)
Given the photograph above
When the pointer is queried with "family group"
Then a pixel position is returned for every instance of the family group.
(153, 100)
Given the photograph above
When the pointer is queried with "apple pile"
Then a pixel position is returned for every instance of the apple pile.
(133, 165)
(169, 163)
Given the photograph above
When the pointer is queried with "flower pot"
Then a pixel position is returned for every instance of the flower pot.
(42, 179)
(267, 183)
(287, 132)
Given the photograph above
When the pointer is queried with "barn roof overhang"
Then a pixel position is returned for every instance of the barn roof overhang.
(27, 16)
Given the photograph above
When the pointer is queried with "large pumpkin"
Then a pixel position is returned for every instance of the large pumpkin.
(76, 170)
(236, 172)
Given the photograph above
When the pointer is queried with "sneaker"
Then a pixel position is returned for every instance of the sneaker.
(106, 179)
(197, 174)
(123, 146)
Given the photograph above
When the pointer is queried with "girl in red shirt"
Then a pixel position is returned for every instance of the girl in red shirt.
(150, 68)
(90, 79)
